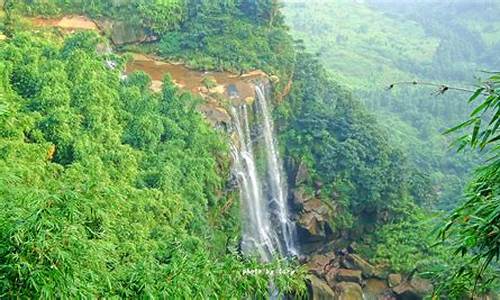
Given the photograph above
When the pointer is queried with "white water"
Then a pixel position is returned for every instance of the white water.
(267, 226)
(276, 177)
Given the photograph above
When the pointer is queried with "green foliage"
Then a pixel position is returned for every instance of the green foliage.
(343, 147)
(158, 16)
(110, 190)
(369, 45)
(236, 35)
(405, 245)
(474, 227)
(231, 35)
(409, 246)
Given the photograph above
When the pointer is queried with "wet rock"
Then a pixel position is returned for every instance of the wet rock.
(394, 280)
(348, 275)
(232, 92)
(354, 261)
(414, 289)
(349, 291)
(319, 290)
(375, 289)
(320, 264)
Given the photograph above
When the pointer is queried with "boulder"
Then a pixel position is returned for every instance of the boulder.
(405, 291)
(319, 290)
(414, 289)
(394, 280)
(348, 275)
(349, 291)
(375, 288)
(309, 221)
(319, 265)
(354, 261)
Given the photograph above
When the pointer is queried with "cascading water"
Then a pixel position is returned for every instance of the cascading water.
(267, 225)
(278, 188)
(257, 235)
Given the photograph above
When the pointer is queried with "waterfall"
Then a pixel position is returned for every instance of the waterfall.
(276, 177)
(267, 225)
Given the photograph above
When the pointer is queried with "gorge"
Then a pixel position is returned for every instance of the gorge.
(192, 149)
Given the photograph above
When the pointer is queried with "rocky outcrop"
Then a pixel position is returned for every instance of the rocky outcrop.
(314, 213)
(414, 289)
(321, 264)
(319, 290)
(122, 33)
(302, 174)
(350, 277)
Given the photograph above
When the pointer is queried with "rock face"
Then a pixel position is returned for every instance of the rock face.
(314, 214)
(122, 33)
(319, 290)
(349, 291)
(302, 174)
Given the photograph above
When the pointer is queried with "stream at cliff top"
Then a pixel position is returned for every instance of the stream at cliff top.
(268, 229)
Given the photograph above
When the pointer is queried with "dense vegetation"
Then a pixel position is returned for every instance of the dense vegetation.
(414, 121)
(106, 188)
(237, 35)
(370, 185)
(110, 190)
(344, 148)
(367, 47)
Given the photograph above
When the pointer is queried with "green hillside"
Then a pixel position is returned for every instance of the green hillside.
(361, 45)
(367, 45)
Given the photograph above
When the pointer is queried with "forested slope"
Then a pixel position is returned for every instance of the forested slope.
(369, 45)
(110, 190)
(106, 188)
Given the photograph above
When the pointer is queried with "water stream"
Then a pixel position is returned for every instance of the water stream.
(268, 229)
